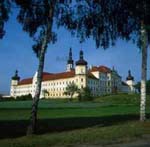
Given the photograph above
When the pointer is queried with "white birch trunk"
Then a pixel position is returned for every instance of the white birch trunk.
(33, 124)
(33, 120)
(143, 74)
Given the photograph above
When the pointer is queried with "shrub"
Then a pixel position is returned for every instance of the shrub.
(71, 89)
(24, 97)
(7, 99)
(1, 97)
(85, 94)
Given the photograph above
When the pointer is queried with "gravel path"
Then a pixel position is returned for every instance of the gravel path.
(144, 142)
(133, 144)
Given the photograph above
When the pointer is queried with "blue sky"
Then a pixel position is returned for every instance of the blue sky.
(16, 53)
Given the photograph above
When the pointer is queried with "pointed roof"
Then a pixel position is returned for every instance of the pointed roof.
(81, 60)
(129, 77)
(16, 77)
(70, 60)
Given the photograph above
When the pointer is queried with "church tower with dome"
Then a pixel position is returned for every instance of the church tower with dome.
(130, 82)
(81, 71)
(14, 82)
(81, 65)
(70, 62)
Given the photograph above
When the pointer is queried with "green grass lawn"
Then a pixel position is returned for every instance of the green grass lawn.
(70, 122)
(104, 106)
(96, 135)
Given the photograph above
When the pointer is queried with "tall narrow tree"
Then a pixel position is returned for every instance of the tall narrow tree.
(144, 47)
(37, 18)
(108, 20)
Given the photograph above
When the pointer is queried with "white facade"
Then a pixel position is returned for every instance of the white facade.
(101, 80)
(130, 83)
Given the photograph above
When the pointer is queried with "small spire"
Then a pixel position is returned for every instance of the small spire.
(70, 54)
(81, 54)
(16, 73)
(129, 72)
(70, 62)
(130, 77)
(16, 77)
(81, 60)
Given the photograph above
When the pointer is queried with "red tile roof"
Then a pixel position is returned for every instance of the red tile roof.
(49, 76)
(103, 69)
(56, 76)
(25, 81)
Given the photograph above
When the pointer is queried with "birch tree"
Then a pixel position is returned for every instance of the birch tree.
(37, 18)
(144, 43)
(107, 20)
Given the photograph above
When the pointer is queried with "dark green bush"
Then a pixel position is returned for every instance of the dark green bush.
(7, 99)
(85, 94)
(1, 97)
(24, 97)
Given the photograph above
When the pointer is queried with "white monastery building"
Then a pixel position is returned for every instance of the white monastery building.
(100, 79)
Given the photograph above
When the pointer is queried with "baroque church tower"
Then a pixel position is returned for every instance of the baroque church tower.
(15, 79)
(130, 81)
(14, 82)
(70, 63)
(81, 65)
(81, 71)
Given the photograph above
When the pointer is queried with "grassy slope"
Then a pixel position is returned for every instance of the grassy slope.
(104, 106)
(94, 135)
(23, 114)
(103, 121)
